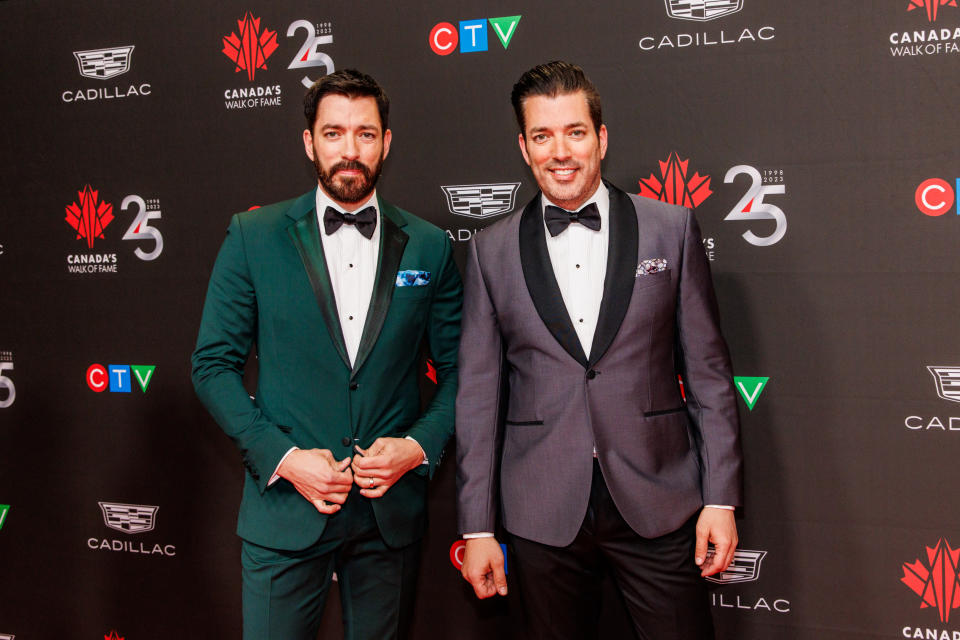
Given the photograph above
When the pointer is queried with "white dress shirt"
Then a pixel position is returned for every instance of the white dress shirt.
(579, 259)
(352, 264)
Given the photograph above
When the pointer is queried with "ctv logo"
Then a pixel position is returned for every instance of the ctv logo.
(934, 197)
(119, 377)
(471, 34)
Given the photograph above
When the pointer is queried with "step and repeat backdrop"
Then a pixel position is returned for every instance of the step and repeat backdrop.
(815, 140)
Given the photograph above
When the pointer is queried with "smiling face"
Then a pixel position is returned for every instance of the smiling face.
(347, 147)
(562, 147)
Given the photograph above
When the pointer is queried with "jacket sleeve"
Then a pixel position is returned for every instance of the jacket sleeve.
(478, 404)
(228, 329)
(704, 363)
(435, 426)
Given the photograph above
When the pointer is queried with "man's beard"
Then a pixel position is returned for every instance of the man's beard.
(349, 190)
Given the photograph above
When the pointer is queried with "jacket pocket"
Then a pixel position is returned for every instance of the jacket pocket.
(524, 423)
(401, 294)
(652, 279)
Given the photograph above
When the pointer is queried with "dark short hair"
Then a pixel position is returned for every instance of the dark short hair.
(346, 82)
(554, 79)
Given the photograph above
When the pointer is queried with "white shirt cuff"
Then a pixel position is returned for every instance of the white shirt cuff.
(276, 477)
(480, 534)
(425, 461)
(719, 506)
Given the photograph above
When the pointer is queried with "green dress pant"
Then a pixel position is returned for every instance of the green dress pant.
(284, 592)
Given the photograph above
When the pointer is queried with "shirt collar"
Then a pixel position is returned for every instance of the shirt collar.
(324, 201)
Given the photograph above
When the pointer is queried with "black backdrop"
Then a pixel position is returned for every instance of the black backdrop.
(832, 123)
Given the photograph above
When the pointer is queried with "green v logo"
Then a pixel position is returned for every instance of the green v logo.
(143, 373)
(505, 28)
(750, 388)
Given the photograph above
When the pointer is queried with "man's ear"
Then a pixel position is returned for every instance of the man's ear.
(308, 144)
(523, 148)
(602, 134)
(387, 137)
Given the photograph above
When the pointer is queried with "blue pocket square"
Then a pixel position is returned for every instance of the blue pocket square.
(654, 265)
(413, 278)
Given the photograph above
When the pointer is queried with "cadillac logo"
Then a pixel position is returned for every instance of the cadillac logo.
(702, 10)
(481, 200)
(948, 382)
(102, 64)
(129, 518)
(744, 568)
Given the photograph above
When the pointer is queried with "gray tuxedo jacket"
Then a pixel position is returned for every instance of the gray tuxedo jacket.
(531, 406)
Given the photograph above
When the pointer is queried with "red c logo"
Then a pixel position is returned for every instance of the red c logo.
(97, 377)
(444, 39)
(934, 197)
(456, 554)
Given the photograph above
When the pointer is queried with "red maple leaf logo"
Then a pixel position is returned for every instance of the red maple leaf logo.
(113, 635)
(938, 584)
(89, 218)
(252, 47)
(431, 372)
(932, 6)
(673, 185)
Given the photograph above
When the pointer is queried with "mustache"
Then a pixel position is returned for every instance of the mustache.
(351, 165)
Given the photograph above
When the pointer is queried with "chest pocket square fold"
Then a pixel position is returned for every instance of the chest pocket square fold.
(413, 278)
(653, 265)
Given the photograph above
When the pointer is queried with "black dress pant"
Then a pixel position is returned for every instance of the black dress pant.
(661, 585)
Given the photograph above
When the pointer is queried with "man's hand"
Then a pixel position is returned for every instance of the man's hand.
(319, 477)
(719, 527)
(483, 567)
(376, 469)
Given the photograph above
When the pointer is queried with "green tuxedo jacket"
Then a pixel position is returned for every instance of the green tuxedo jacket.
(270, 286)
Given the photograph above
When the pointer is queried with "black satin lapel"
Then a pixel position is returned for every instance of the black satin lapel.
(305, 234)
(621, 271)
(542, 283)
(391, 252)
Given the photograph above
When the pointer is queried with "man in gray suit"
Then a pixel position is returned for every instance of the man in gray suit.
(580, 313)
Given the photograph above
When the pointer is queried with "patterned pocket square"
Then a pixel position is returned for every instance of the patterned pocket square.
(653, 265)
(413, 278)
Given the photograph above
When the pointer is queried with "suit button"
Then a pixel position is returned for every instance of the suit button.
(346, 441)
(591, 374)
(354, 386)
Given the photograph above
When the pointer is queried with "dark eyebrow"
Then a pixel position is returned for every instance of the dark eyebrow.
(572, 125)
(339, 127)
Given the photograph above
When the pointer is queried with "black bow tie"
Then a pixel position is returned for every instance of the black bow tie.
(364, 220)
(558, 219)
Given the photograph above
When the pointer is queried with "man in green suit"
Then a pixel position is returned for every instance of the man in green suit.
(338, 289)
